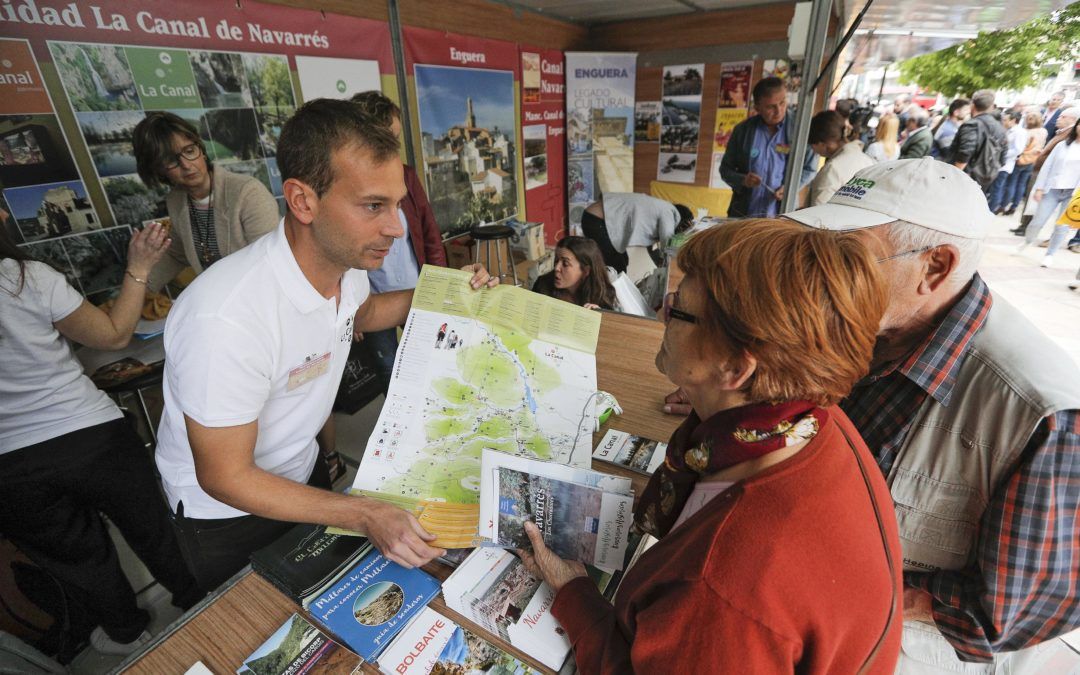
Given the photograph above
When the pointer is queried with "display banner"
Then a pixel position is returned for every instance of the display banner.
(45, 207)
(224, 66)
(599, 127)
(543, 125)
(326, 77)
(465, 93)
(680, 123)
(732, 108)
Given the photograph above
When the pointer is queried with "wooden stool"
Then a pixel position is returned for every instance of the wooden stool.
(497, 234)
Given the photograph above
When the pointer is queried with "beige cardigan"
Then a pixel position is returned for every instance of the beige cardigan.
(244, 210)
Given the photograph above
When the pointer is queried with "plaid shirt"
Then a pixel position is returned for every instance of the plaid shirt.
(1022, 588)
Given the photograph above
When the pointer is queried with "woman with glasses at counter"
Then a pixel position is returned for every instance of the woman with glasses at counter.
(778, 548)
(212, 212)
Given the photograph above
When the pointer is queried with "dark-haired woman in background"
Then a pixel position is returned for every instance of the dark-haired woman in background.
(213, 212)
(66, 451)
(843, 156)
(580, 275)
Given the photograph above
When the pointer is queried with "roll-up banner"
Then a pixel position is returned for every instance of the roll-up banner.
(543, 117)
(599, 127)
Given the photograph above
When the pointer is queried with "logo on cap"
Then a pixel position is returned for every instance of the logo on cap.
(855, 188)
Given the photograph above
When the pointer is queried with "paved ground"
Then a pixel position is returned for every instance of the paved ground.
(1042, 294)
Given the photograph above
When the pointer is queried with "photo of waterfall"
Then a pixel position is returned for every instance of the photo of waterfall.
(221, 79)
(95, 77)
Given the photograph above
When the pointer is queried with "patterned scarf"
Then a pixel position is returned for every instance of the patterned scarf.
(727, 438)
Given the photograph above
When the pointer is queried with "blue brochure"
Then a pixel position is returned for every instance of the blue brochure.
(372, 602)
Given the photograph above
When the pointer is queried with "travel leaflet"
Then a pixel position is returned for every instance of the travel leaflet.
(299, 647)
(372, 602)
(434, 643)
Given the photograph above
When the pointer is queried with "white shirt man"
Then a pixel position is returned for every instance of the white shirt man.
(256, 346)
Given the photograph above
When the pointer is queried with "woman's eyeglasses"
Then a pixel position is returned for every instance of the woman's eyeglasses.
(671, 312)
(189, 152)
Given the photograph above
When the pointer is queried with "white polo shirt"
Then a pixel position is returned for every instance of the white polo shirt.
(251, 339)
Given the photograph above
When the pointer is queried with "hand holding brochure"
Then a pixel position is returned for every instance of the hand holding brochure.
(587, 519)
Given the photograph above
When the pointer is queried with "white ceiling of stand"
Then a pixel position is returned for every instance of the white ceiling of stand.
(906, 28)
(903, 28)
(603, 11)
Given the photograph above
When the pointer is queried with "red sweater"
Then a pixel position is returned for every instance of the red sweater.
(787, 571)
(423, 230)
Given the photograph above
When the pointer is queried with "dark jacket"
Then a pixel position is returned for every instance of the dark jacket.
(423, 230)
(968, 140)
(917, 145)
(736, 162)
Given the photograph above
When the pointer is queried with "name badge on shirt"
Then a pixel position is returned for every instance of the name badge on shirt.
(312, 368)
(783, 148)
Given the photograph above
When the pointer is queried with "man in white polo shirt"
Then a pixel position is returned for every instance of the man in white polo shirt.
(256, 346)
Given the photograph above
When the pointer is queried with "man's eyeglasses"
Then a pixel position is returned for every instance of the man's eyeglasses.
(911, 252)
(671, 312)
(189, 152)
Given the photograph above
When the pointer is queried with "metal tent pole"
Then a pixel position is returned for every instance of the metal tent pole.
(815, 49)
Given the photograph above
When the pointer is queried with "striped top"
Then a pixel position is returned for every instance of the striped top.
(201, 213)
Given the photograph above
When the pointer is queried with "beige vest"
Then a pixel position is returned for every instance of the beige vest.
(955, 457)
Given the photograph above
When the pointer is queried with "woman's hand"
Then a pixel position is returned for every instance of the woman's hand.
(591, 305)
(146, 248)
(541, 562)
(480, 277)
(676, 403)
(1038, 195)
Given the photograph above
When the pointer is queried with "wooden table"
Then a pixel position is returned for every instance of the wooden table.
(230, 624)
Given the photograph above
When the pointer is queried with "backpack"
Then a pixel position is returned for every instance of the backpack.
(987, 161)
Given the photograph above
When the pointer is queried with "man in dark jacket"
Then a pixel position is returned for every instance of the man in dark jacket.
(980, 144)
(757, 154)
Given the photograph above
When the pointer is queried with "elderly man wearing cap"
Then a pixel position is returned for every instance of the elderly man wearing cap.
(974, 417)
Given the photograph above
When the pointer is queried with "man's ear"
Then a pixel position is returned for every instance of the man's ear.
(301, 200)
(941, 262)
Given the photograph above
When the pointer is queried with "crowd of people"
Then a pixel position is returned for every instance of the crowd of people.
(1010, 153)
(876, 468)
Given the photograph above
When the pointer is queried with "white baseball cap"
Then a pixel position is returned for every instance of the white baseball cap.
(926, 192)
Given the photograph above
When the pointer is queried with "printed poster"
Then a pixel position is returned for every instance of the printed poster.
(327, 77)
(225, 66)
(45, 206)
(238, 101)
(544, 139)
(680, 123)
(647, 121)
(733, 106)
(735, 84)
(468, 118)
(599, 127)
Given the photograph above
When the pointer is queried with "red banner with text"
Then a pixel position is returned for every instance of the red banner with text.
(543, 130)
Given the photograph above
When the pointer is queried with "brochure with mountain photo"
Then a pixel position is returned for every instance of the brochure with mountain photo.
(578, 520)
(299, 647)
(433, 644)
(636, 453)
(372, 602)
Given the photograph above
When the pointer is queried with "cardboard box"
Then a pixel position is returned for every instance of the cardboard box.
(529, 271)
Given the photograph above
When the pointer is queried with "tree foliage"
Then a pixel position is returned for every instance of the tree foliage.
(1003, 59)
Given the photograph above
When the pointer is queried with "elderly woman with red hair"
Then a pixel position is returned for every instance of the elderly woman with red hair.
(778, 545)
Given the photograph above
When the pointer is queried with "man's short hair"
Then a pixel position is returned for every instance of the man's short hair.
(767, 86)
(815, 355)
(918, 115)
(378, 106)
(983, 100)
(317, 129)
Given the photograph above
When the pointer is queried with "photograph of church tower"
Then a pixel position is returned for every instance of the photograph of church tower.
(467, 139)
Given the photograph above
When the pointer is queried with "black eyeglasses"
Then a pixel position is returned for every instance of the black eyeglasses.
(671, 312)
(911, 252)
(189, 152)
